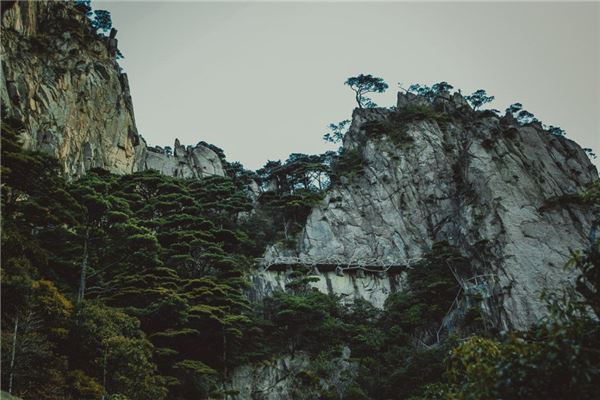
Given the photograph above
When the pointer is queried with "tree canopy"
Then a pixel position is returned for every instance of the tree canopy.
(479, 98)
(364, 84)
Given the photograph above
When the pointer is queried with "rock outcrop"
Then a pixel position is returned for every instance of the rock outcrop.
(61, 79)
(483, 183)
(183, 162)
(285, 377)
(375, 288)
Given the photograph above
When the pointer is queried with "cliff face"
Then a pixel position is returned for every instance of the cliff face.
(63, 82)
(487, 185)
(284, 377)
(375, 288)
(184, 162)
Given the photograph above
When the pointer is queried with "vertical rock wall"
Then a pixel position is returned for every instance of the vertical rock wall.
(62, 81)
(484, 184)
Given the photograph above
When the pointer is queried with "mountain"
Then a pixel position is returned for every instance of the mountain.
(503, 193)
(63, 80)
(425, 259)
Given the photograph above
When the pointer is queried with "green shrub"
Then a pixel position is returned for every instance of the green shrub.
(413, 113)
(349, 164)
(395, 126)
(397, 132)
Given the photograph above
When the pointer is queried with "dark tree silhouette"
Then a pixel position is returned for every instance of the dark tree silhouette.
(430, 93)
(555, 130)
(479, 98)
(363, 84)
(337, 131)
(102, 21)
(524, 117)
(441, 87)
(514, 108)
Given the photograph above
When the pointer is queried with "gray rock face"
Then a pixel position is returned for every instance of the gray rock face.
(481, 183)
(375, 288)
(267, 381)
(63, 82)
(281, 378)
(67, 88)
(185, 162)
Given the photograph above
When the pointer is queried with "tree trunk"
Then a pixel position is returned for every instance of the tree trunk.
(12, 356)
(224, 353)
(285, 229)
(84, 266)
(104, 374)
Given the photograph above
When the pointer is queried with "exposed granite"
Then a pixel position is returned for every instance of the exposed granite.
(479, 182)
(62, 80)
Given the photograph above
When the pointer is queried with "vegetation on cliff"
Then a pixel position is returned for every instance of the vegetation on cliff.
(106, 270)
(134, 286)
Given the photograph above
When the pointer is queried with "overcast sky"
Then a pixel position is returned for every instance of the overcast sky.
(263, 80)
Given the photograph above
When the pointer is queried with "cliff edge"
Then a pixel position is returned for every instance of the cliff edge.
(61, 79)
(503, 193)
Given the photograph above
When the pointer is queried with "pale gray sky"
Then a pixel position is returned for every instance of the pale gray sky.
(263, 80)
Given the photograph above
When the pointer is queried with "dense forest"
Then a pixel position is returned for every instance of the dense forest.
(138, 286)
(133, 287)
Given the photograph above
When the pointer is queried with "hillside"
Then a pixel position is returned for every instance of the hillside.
(62, 80)
(443, 252)
(502, 193)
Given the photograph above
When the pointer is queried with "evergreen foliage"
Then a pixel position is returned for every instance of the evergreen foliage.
(431, 93)
(349, 164)
(139, 267)
(337, 131)
(555, 359)
(132, 287)
(102, 21)
(364, 84)
(479, 98)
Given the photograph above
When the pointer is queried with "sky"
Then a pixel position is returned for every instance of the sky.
(262, 80)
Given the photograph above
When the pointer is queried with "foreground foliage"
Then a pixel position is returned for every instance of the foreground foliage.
(132, 287)
(113, 281)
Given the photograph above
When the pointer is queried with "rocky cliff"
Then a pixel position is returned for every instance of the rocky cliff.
(285, 377)
(62, 80)
(497, 190)
(183, 162)
(373, 287)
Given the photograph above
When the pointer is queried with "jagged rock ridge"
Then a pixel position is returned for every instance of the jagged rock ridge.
(481, 182)
(184, 162)
(62, 80)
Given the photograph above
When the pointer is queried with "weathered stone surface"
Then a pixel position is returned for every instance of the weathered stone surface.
(185, 162)
(281, 378)
(67, 88)
(268, 380)
(480, 183)
(372, 287)
(62, 81)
